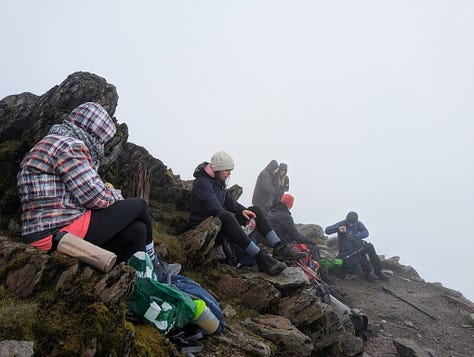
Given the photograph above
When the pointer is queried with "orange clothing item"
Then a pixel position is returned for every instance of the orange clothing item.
(78, 227)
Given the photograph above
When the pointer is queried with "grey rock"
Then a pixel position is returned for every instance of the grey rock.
(408, 348)
(254, 293)
(16, 348)
(288, 340)
(289, 279)
(301, 309)
(312, 231)
(198, 244)
(249, 344)
(470, 319)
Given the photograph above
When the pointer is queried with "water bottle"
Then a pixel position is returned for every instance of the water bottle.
(249, 228)
(85, 251)
(205, 318)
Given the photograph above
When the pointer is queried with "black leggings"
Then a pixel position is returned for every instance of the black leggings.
(123, 228)
(232, 226)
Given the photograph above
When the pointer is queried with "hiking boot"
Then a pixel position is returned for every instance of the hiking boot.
(382, 275)
(370, 277)
(164, 270)
(268, 264)
(349, 276)
(283, 252)
(326, 277)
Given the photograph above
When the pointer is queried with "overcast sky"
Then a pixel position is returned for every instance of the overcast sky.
(370, 103)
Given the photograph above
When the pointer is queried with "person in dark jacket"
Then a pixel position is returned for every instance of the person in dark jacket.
(264, 191)
(210, 197)
(354, 250)
(282, 182)
(281, 220)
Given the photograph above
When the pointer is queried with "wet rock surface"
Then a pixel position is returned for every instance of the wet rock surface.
(265, 315)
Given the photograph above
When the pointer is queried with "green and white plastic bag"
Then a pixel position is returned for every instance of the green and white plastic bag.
(161, 305)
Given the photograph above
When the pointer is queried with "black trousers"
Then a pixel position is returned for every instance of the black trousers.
(232, 226)
(123, 228)
(369, 250)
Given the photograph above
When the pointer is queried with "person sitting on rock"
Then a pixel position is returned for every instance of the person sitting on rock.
(281, 220)
(282, 182)
(210, 197)
(60, 190)
(264, 191)
(353, 250)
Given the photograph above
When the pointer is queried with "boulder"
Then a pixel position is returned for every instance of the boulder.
(301, 309)
(198, 243)
(408, 348)
(254, 293)
(16, 348)
(288, 340)
(247, 343)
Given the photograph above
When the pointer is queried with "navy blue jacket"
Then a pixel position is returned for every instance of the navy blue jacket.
(351, 240)
(209, 198)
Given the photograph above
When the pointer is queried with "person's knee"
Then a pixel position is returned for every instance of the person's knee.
(140, 203)
(257, 210)
(137, 228)
(226, 217)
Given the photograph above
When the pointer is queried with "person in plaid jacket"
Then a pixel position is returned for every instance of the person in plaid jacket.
(60, 190)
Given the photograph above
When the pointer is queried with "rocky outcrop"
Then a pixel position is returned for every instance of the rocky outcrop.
(295, 320)
(67, 308)
(25, 118)
(68, 301)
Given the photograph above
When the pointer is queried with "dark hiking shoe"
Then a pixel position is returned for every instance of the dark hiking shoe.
(283, 252)
(268, 264)
(349, 276)
(370, 277)
(382, 275)
(326, 277)
(164, 270)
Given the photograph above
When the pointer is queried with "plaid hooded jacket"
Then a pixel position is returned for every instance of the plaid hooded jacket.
(58, 180)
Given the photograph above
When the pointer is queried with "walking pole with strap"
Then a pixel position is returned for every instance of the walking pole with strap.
(409, 303)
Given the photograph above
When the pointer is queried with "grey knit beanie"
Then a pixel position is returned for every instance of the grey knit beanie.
(221, 161)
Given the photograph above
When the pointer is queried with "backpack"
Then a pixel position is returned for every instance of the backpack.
(163, 306)
(308, 264)
(195, 290)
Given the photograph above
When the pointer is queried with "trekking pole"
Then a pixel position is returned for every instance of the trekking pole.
(409, 303)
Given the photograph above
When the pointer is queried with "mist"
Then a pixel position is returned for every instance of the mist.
(370, 103)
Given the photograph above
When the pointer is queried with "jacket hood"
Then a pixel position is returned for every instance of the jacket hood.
(200, 170)
(94, 120)
(272, 166)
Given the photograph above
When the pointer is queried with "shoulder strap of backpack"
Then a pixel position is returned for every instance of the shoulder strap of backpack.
(188, 344)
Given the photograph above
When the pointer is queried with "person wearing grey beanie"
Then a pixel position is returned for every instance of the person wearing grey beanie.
(210, 197)
(221, 161)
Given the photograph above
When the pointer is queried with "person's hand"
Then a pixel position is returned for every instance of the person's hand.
(248, 214)
(342, 229)
(109, 185)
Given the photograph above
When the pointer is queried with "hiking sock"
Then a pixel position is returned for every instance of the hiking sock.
(150, 250)
(252, 249)
(272, 238)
